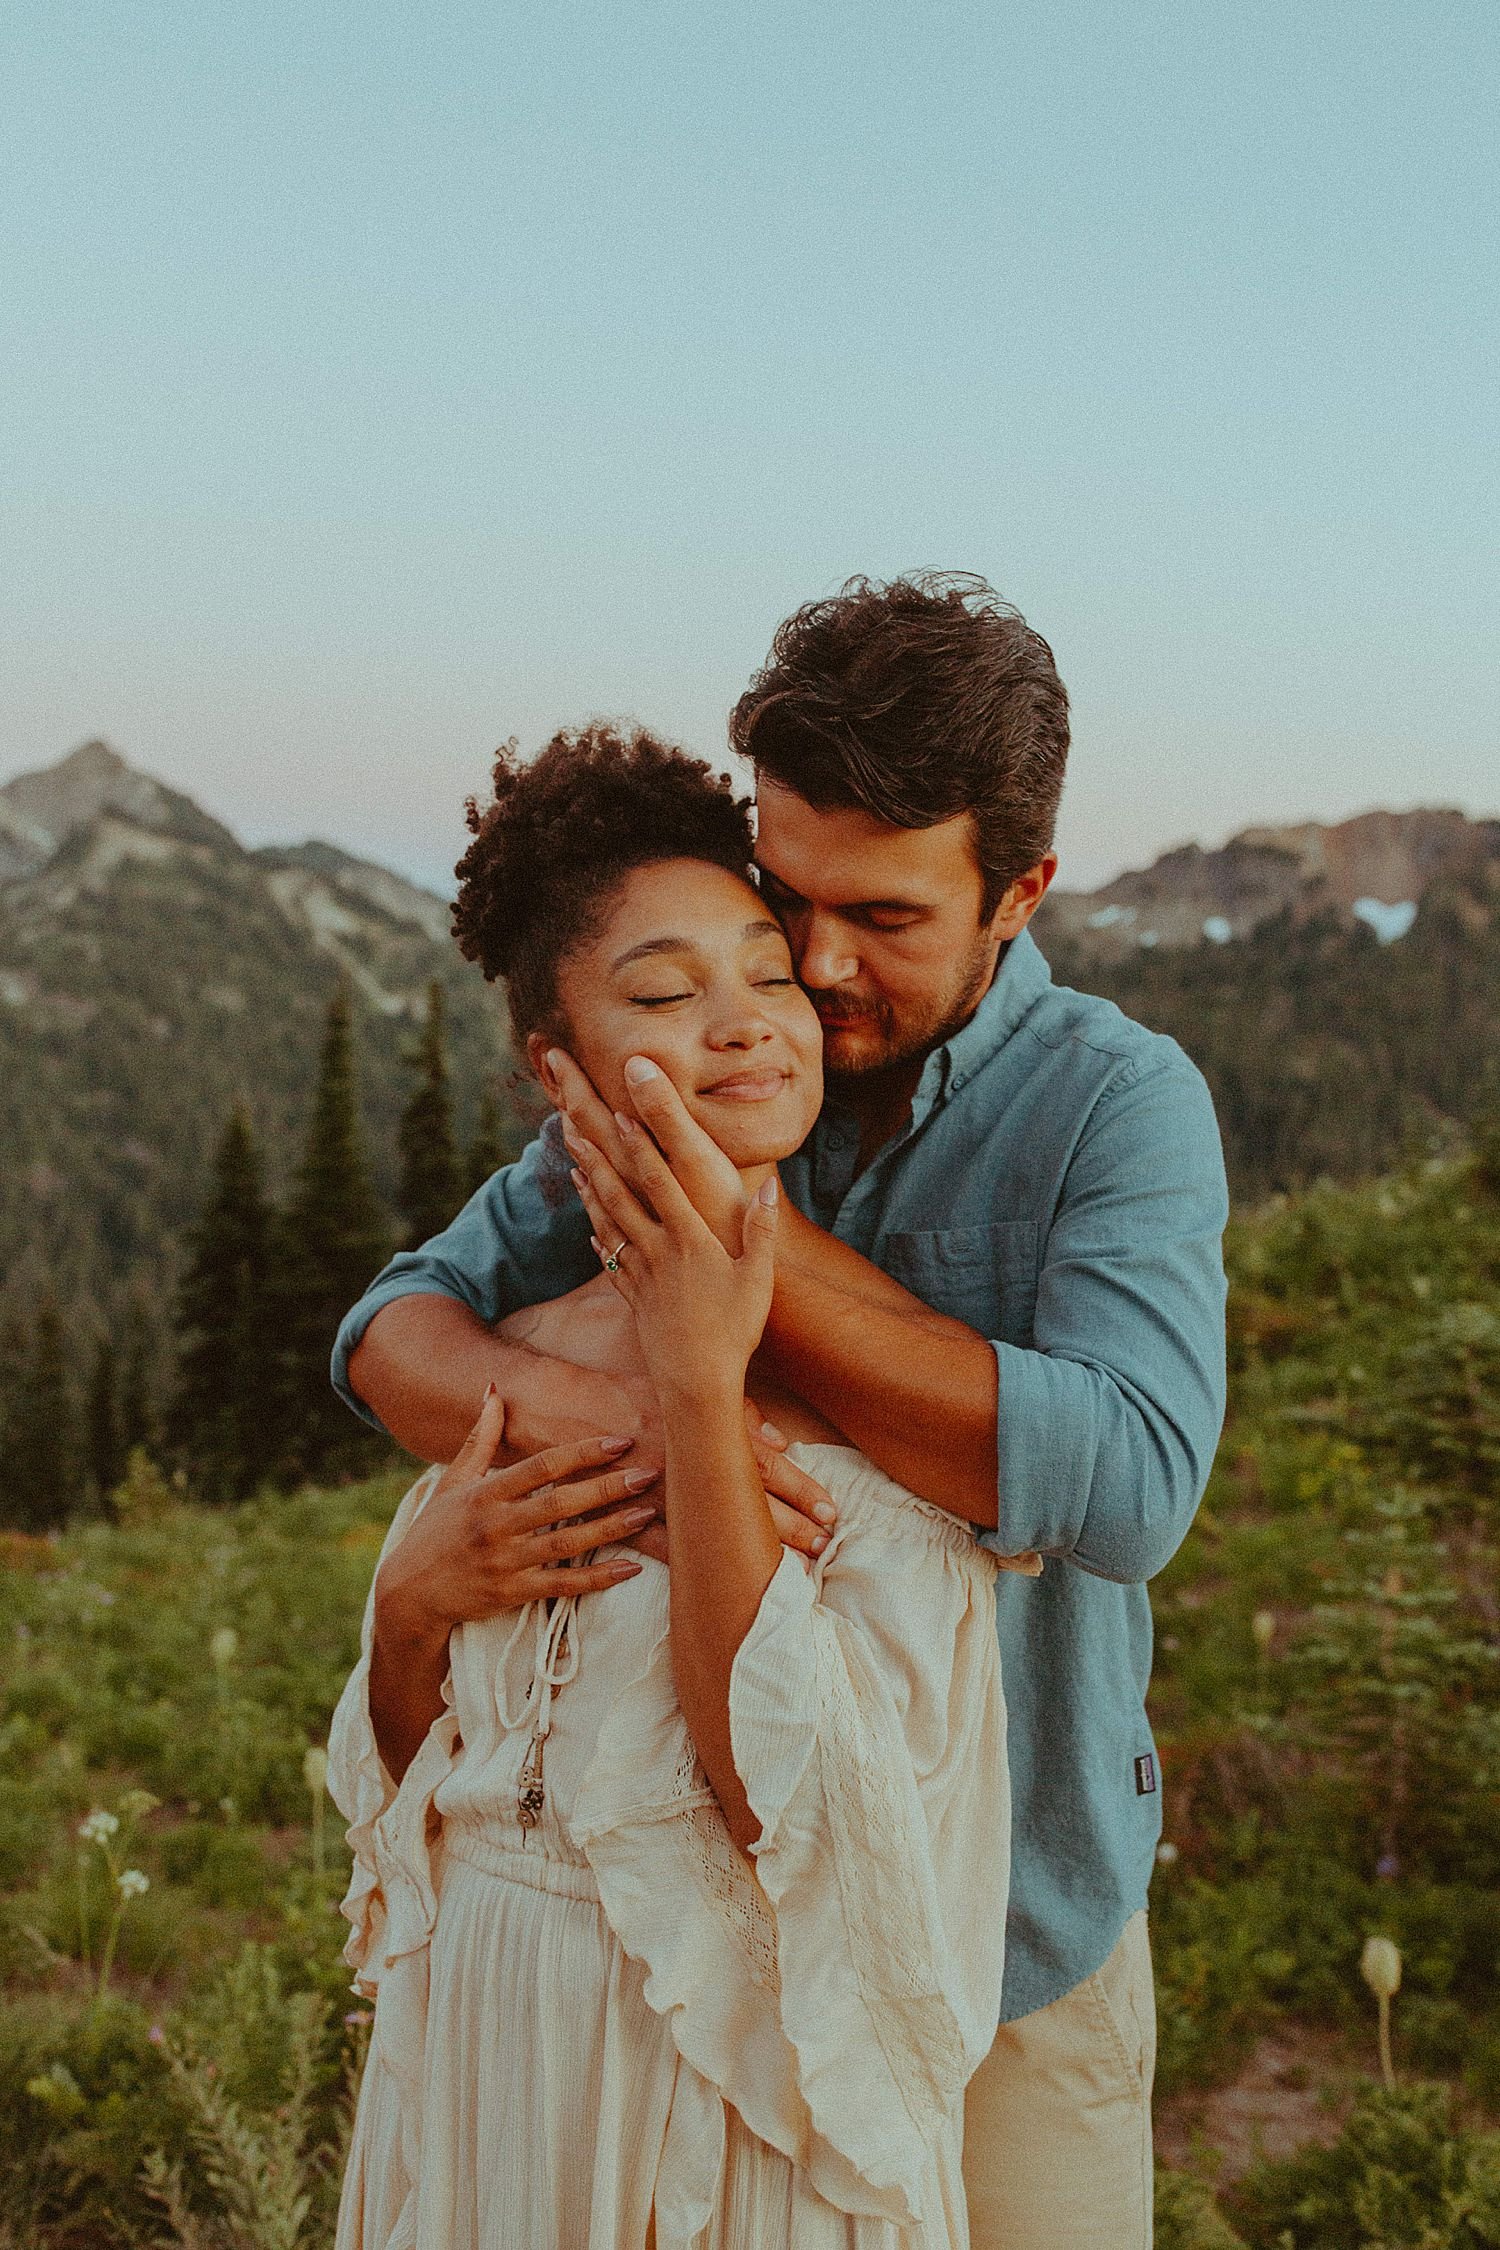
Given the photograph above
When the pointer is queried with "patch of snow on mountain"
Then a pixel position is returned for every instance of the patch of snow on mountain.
(1387, 921)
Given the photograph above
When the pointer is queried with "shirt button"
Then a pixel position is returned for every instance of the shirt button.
(835, 1140)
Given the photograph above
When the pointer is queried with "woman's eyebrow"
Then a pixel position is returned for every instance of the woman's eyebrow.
(762, 926)
(652, 945)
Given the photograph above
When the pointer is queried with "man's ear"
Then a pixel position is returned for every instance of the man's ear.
(538, 1046)
(1022, 899)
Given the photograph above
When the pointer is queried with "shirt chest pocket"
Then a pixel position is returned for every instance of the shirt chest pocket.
(984, 1276)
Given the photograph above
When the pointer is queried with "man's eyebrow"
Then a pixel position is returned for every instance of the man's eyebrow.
(762, 926)
(851, 905)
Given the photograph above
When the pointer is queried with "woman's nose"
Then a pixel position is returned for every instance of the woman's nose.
(740, 1027)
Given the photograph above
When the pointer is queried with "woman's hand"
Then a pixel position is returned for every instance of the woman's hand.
(491, 1539)
(699, 1308)
(662, 1134)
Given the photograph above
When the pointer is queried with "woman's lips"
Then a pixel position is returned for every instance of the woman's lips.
(748, 1086)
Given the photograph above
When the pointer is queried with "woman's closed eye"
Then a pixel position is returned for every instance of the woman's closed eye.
(657, 999)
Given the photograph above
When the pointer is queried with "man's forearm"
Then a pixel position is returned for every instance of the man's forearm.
(916, 1391)
(425, 1360)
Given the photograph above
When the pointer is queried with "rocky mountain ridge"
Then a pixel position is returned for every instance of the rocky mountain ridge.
(1375, 869)
(152, 970)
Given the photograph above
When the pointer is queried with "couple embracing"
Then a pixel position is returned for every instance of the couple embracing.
(750, 1785)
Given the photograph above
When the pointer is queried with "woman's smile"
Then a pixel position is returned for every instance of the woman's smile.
(762, 1084)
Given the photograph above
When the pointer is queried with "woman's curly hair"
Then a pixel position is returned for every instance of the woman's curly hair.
(561, 834)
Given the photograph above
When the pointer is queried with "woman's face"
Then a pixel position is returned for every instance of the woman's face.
(692, 970)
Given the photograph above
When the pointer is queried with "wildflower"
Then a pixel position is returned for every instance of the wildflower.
(1263, 1626)
(315, 1769)
(1166, 1853)
(224, 1647)
(358, 2016)
(99, 1827)
(156, 2035)
(1380, 1966)
(136, 1803)
(131, 1883)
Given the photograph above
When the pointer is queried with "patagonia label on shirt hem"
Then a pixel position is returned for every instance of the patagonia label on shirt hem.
(1145, 1775)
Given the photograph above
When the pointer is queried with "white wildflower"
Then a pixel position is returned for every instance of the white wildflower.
(224, 1647)
(99, 1827)
(315, 1769)
(1166, 1853)
(131, 1883)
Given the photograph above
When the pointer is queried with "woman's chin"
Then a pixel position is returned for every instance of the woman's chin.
(751, 1141)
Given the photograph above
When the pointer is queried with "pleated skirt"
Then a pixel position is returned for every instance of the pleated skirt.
(549, 2085)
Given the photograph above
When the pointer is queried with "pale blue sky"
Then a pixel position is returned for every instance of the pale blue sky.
(381, 380)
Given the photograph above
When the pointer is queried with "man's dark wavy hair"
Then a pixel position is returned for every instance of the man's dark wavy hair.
(917, 700)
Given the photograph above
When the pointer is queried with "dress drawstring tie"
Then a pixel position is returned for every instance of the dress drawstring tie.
(554, 1663)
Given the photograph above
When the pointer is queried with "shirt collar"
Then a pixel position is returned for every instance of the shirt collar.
(1019, 981)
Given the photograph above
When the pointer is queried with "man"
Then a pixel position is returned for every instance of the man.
(1040, 1171)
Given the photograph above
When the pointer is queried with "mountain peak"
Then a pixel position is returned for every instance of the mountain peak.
(39, 811)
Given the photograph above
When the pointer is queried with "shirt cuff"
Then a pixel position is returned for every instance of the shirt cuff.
(1047, 1441)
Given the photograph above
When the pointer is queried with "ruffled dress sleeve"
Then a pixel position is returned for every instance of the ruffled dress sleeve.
(391, 1902)
(840, 1986)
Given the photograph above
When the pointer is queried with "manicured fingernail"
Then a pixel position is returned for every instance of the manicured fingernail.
(826, 1512)
(771, 1434)
(489, 1392)
(820, 1543)
(623, 1569)
(639, 1479)
(555, 1060)
(769, 1189)
(577, 1177)
(614, 1445)
(638, 1071)
(626, 1124)
(636, 1517)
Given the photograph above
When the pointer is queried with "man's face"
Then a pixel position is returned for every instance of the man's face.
(884, 925)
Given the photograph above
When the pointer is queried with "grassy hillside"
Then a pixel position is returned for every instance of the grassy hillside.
(1328, 1704)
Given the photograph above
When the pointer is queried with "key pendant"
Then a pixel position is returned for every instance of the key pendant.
(531, 1794)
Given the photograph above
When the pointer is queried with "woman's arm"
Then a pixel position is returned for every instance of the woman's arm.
(487, 1540)
(699, 1314)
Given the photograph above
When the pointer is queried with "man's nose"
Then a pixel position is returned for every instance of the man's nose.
(824, 955)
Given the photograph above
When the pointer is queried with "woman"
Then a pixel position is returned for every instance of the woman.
(664, 1879)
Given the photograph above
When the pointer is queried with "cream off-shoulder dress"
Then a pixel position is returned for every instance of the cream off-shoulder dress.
(610, 2030)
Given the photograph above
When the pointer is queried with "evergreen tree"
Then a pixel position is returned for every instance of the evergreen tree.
(330, 1240)
(1393, 1689)
(140, 1416)
(106, 1451)
(492, 1145)
(220, 1423)
(41, 1483)
(431, 1187)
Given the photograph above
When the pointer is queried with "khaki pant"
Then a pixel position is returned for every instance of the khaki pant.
(1057, 2127)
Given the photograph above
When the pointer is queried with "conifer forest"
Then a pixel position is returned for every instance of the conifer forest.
(189, 1522)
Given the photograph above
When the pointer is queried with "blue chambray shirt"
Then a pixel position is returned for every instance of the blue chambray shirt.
(1060, 1188)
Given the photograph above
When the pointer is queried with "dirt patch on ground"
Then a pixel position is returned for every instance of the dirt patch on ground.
(1294, 2088)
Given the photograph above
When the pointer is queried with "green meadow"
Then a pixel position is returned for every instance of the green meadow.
(178, 2042)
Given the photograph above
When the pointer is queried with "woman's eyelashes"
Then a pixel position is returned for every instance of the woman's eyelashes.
(666, 999)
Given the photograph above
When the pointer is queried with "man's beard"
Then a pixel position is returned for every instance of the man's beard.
(892, 1043)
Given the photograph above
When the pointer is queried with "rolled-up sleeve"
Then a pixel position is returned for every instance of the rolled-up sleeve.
(1107, 1427)
(521, 1240)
